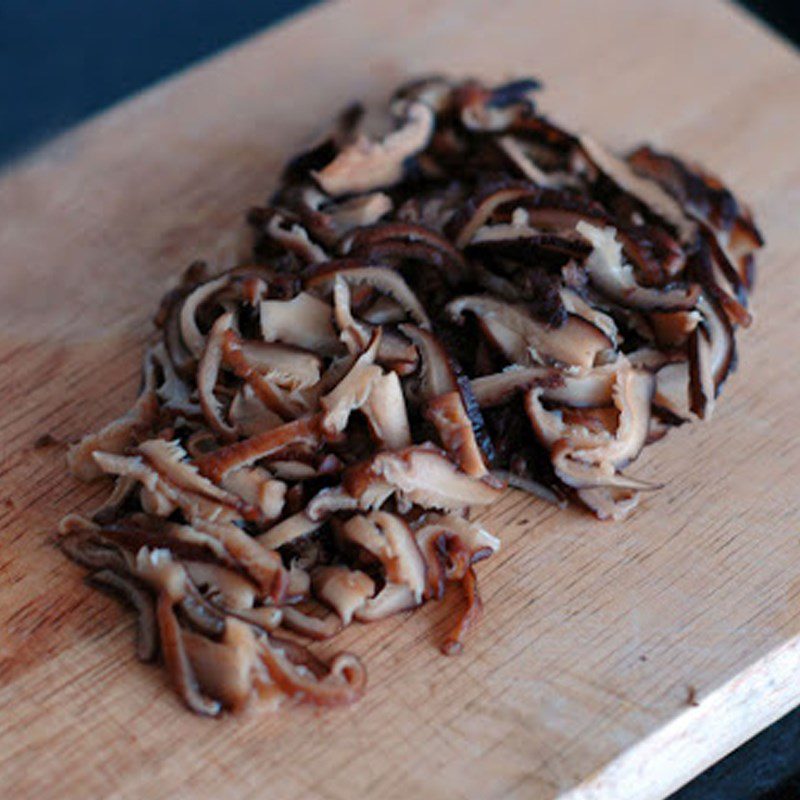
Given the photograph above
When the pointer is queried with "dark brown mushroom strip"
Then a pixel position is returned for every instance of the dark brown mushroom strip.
(147, 631)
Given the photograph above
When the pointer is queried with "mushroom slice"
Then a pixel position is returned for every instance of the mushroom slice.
(289, 530)
(450, 545)
(192, 337)
(492, 390)
(437, 376)
(359, 212)
(706, 199)
(173, 392)
(289, 367)
(271, 443)
(116, 436)
(329, 501)
(351, 393)
(223, 586)
(309, 624)
(262, 565)
(365, 165)
(381, 279)
(584, 458)
(614, 278)
(423, 475)
(449, 417)
(481, 205)
(168, 578)
(671, 393)
(385, 410)
(608, 502)
(673, 328)
(294, 237)
(249, 416)
(208, 372)
(405, 241)
(575, 304)
(344, 590)
(226, 670)
(524, 340)
(169, 460)
(649, 193)
(304, 321)
(147, 631)
(257, 488)
(344, 682)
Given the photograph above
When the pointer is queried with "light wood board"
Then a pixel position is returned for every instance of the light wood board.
(577, 684)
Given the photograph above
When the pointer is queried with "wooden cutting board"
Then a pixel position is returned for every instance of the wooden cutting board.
(615, 660)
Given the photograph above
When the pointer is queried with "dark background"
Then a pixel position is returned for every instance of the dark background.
(62, 60)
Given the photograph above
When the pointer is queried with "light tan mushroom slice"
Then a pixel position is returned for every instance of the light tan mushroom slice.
(249, 416)
(261, 564)
(575, 304)
(473, 543)
(673, 328)
(365, 165)
(385, 410)
(315, 627)
(192, 337)
(352, 392)
(231, 589)
(294, 237)
(384, 311)
(449, 417)
(164, 495)
(672, 390)
(208, 372)
(436, 373)
(660, 203)
(289, 530)
(227, 670)
(257, 488)
(289, 367)
(492, 390)
(118, 435)
(355, 335)
(609, 503)
(385, 281)
(344, 590)
(388, 538)
(525, 340)
(359, 211)
(305, 321)
(583, 457)
(330, 500)
(614, 277)
(392, 599)
(422, 475)
(169, 460)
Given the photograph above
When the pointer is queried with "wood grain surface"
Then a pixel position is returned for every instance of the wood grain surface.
(596, 636)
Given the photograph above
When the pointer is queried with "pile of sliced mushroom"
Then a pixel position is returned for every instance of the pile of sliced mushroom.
(472, 299)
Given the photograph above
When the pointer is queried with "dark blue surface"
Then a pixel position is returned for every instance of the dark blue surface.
(62, 60)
